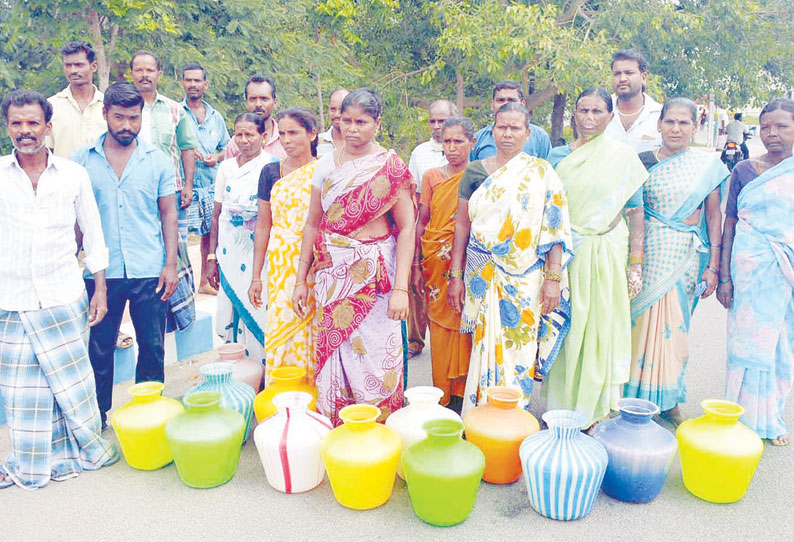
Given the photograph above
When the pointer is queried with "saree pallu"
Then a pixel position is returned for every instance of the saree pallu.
(517, 215)
(359, 350)
(450, 349)
(288, 338)
(675, 256)
(599, 179)
(237, 320)
(49, 396)
(761, 318)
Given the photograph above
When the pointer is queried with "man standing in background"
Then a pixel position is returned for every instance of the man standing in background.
(427, 155)
(538, 143)
(165, 125)
(76, 110)
(260, 98)
(332, 138)
(213, 136)
(636, 113)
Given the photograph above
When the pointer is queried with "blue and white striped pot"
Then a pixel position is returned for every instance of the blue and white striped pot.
(235, 395)
(563, 467)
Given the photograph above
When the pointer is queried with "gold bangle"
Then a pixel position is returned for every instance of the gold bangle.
(552, 275)
(400, 290)
(456, 273)
(256, 280)
(212, 258)
(300, 283)
(636, 260)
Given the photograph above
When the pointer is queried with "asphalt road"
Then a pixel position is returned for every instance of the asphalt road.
(120, 503)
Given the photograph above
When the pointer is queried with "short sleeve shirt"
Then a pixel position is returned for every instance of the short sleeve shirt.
(472, 178)
(213, 136)
(71, 127)
(171, 132)
(744, 172)
(270, 174)
(129, 207)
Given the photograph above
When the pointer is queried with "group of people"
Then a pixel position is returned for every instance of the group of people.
(578, 265)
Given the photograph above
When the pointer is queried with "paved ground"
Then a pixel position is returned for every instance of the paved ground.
(119, 503)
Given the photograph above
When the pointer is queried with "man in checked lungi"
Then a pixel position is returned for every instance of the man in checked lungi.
(45, 375)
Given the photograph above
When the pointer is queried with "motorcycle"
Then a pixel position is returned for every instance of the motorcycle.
(733, 153)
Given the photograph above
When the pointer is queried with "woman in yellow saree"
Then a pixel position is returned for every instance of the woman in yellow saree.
(601, 177)
(512, 226)
(285, 189)
(450, 349)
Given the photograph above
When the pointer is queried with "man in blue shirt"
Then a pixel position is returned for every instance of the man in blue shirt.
(213, 136)
(538, 143)
(133, 184)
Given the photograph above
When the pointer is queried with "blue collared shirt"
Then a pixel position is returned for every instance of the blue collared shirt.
(129, 207)
(538, 144)
(213, 137)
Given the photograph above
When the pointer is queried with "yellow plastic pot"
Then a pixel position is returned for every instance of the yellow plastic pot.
(284, 379)
(140, 426)
(361, 458)
(718, 453)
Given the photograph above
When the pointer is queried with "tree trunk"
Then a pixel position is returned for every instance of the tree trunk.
(558, 117)
(320, 101)
(460, 95)
(102, 52)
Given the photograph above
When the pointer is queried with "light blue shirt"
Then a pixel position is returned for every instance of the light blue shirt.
(129, 207)
(213, 136)
(538, 144)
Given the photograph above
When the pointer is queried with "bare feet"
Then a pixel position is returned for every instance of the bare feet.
(673, 416)
(782, 440)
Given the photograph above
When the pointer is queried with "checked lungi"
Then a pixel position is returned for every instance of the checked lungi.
(49, 396)
(181, 304)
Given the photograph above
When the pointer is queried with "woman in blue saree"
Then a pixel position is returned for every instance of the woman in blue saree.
(682, 257)
(757, 277)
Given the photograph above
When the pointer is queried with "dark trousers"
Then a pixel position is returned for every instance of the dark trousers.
(148, 319)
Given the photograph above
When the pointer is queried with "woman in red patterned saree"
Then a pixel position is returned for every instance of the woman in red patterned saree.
(359, 242)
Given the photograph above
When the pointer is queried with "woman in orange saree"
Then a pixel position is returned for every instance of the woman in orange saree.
(450, 349)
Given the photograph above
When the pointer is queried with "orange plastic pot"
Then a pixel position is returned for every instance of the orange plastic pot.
(498, 428)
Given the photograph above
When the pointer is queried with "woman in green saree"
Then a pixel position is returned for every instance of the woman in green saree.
(602, 179)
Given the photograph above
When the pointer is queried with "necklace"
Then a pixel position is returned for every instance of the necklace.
(637, 112)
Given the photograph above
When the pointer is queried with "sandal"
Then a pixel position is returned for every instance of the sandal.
(124, 341)
(782, 440)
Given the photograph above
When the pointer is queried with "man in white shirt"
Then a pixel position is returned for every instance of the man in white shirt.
(332, 138)
(430, 154)
(636, 113)
(45, 374)
(76, 110)
(427, 155)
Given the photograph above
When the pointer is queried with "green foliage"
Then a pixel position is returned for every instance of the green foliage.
(412, 51)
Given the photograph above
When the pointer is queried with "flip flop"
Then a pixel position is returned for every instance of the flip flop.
(124, 341)
(209, 290)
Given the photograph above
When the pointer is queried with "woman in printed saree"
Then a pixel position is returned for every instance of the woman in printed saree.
(682, 257)
(512, 226)
(601, 177)
(757, 277)
(450, 349)
(230, 262)
(284, 193)
(361, 229)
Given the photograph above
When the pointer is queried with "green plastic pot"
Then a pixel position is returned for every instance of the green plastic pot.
(443, 474)
(205, 440)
